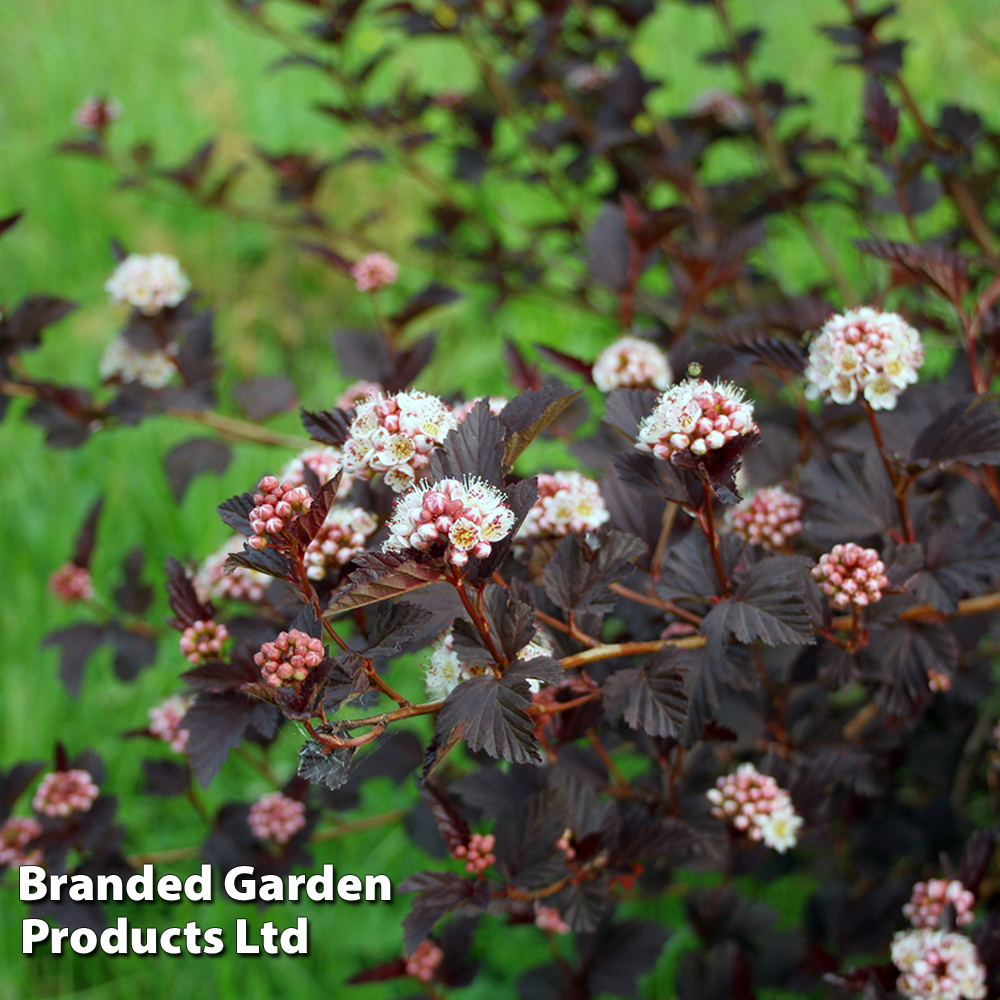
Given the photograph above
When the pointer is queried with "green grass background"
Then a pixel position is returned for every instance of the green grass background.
(184, 71)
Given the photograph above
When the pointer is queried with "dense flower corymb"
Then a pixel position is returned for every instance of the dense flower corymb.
(451, 519)
(290, 659)
(125, 362)
(423, 963)
(323, 462)
(64, 792)
(395, 435)
(212, 580)
(567, 502)
(756, 806)
(478, 854)
(342, 537)
(15, 834)
(165, 722)
(71, 583)
(203, 641)
(374, 271)
(278, 504)
(849, 574)
(696, 415)
(934, 965)
(276, 817)
(865, 352)
(631, 363)
(930, 898)
(771, 517)
(148, 282)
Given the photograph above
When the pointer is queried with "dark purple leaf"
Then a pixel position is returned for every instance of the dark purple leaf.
(433, 296)
(77, 643)
(650, 698)
(945, 270)
(881, 116)
(656, 479)
(627, 408)
(439, 893)
(84, 546)
(475, 448)
(184, 601)
(407, 365)
(578, 576)
(267, 560)
(326, 426)
(21, 329)
(968, 433)
(381, 575)
(608, 249)
(492, 717)
(962, 560)
(219, 675)
(528, 414)
(616, 958)
(396, 622)
(133, 651)
(451, 823)
(164, 777)
(849, 496)
(217, 723)
(363, 354)
(190, 459)
(261, 398)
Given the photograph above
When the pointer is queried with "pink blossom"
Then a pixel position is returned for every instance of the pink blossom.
(424, 961)
(276, 817)
(849, 574)
(71, 583)
(64, 792)
(374, 271)
(289, 660)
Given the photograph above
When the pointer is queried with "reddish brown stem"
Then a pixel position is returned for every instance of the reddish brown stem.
(478, 619)
(707, 521)
(900, 484)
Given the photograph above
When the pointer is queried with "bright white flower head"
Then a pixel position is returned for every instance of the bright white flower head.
(696, 415)
(128, 364)
(756, 806)
(849, 574)
(374, 271)
(930, 898)
(150, 283)
(567, 502)
(395, 435)
(632, 363)
(325, 463)
(450, 519)
(343, 536)
(771, 517)
(934, 965)
(864, 352)
(212, 581)
(725, 108)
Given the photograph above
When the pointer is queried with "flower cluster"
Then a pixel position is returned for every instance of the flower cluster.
(567, 502)
(696, 415)
(242, 584)
(451, 519)
(930, 898)
(288, 660)
(97, 113)
(727, 109)
(396, 435)
(15, 834)
(756, 806)
(150, 283)
(864, 351)
(937, 966)
(125, 362)
(278, 504)
(324, 462)
(770, 517)
(165, 722)
(358, 392)
(632, 363)
(462, 410)
(65, 792)
(203, 641)
(374, 271)
(548, 918)
(937, 680)
(342, 537)
(276, 817)
(478, 855)
(71, 583)
(424, 961)
(849, 574)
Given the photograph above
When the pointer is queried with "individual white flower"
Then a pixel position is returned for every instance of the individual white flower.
(148, 282)
(757, 807)
(567, 502)
(395, 435)
(128, 364)
(696, 415)
(450, 520)
(780, 828)
(864, 352)
(935, 965)
(632, 363)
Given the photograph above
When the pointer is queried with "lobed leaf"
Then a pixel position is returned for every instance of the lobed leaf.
(378, 576)
(650, 698)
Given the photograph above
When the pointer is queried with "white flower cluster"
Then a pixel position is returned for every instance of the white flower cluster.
(697, 415)
(725, 108)
(771, 517)
(864, 351)
(754, 804)
(632, 363)
(396, 435)
(148, 282)
(325, 463)
(343, 536)
(445, 671)
(567, 502)
(451, 519)
(212, 580)
(128, 364)
(935, 965)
